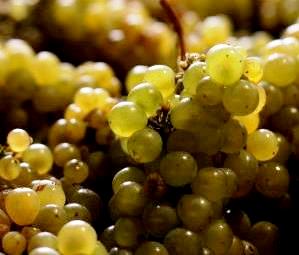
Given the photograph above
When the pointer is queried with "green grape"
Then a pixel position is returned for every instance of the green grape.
(127, 232)
(274, 100)
(181, 140)
(279, 69)
(245, 167)
(129, 200)
(75, 171)
(96, 16)
(195, 212)
(45, 68)
(43, 251)
(39, 157)
(225, 64)
(235, 135)
(13, 243)
(239, 222)
(192, 75)
(292, 30)
(63, 152)
(77, 237)
(135, 119)
(284, 149)
(9, 168)
(75, 211)
(42, 239)
(138, 147)
(127, 174)
(211, 183)
(135, 76)
(119, 251)
(162, 77)
(28, 232)
(18, 140)
(51, 218)
(3, 64)
(262, 144)
(147, 96)
(264, 235)
(236, 247)
(49, 192)
(251, 122)
(107, 237)
(231, 182)
(4, 223)
(272, 180)
(151, 248)
(89, 199)
(159, 219)
(178, 168)
(208, 92)
(100, 249)
(73, 111)
(14, 204)
(262, 99)
(180, 241)
(287, 45)
(241, 99)
(291, 95)
(249, 248)
(253, 69)
(218, 237)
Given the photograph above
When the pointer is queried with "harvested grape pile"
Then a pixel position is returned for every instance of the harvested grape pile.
(195, 158)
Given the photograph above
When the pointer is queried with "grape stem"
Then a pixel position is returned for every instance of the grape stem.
(176, 25)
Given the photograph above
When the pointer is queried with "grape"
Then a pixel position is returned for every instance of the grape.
(272, 180)
(159, 219)
(39, 157)
(279, 69)
(292, 30)
(195, 211)
(236, 247)
(42, 239)
(75, 211)
(181, 140)
(180, 241)
(9, 168)
(135, 119)
(135, 76)
(77, 237)
(127, 232)
(75, 171)
(73, 111)
(262, 99)
(4, 223)
(13, 243)
(100, 249)
(51, 218)
(49, 192)
(178, 168)
(287, 45)
(138, 147)
(249, 248)
(162, 77)
(14, 204)
(208, 92)
(291, 95)
(253, 69)
(262, 144)
(25, 177)
(224, 64)
(245, 167)
(192, 76)
(43, 251)
(63, 152)
(119, 251)
(127, 174)
(284, 149)
(218, 237)
(107, 237)
(241, 98)
(29, 232)
(239, 222)
(147, 96)
(18, 140)
(274, 99)
(151, 248)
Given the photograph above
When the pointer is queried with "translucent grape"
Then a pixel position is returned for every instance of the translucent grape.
(18, 140)
(77, 237)
(284, 149)
(274, 99)
(135, 76)
(147, 96)
(4, 223)
(107, 237)
(39, 157)
(13, 243)
(241, 98)
(63, 152)
(208, 92)
(75, 171)
(75, 211)
(250, 122)
(253, 69)
(43, 251)
(135, 118)
(162, 77)
(262, 144)
(279, 69)
(42, 239)
(151, 248)
(100, 249)
(9, 168)
(224, 64)
(138, 147)
(178, 168)
(127, 174)
(14, 204)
